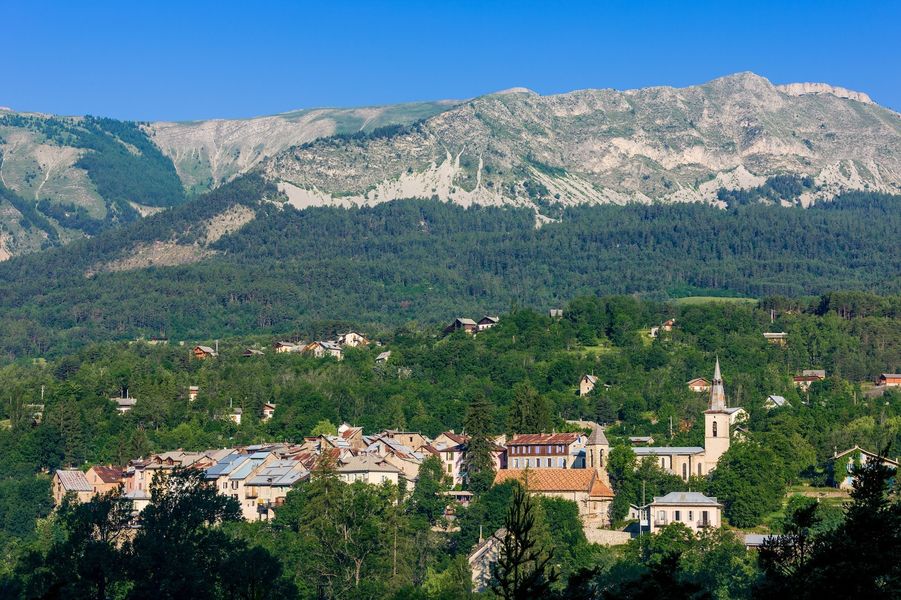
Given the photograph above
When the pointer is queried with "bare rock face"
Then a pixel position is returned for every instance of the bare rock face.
(799, 89)
(653, 144)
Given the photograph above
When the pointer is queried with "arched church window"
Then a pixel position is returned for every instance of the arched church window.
(714, 429)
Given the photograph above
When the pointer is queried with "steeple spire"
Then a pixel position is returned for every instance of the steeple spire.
(717, 393)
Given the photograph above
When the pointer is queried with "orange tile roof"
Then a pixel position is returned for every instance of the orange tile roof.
(557, 480)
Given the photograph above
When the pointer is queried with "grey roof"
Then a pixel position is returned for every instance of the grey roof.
(137, 495)
(279, 473)
(676, 498)
(384, 355)
(246, 468)
(732, 409)
(757, 539)
(73, 480)
(365, 463)
(465, 321)
(123, 402)
(597, 437)
(777, 400)
(892, 375)
(330, 346)
(815, 372)
(225, 466)
(657, 450)
(206, 349)
(775, 334)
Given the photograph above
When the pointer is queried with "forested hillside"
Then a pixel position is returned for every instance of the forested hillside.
(297, 271)
(523, 375)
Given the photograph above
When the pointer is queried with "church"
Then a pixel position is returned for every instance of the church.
(718, 421)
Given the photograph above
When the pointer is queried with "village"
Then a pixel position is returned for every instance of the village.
(570, 465)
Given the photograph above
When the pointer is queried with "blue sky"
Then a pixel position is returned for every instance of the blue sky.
(190, 60)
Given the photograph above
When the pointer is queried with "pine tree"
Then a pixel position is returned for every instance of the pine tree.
(478, 462)
(522, 570)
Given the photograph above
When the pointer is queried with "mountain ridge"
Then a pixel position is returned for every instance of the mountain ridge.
(512, 147)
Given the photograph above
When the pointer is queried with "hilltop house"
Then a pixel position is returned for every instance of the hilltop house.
(693, 509)
(668, 325)
(204, 352)
(803, 382)
(320, 349)
(585, 487)
(193, 391)
(250, 352)
(352, 339)
(699, 385)
(235, 415)
(776, 338)
(268, 411)
(842, 464)
(383, 357)
(467, 325)
(889, 380)
(695, 460)
(772, 402)
(123, 405)
(487, 322)
(586, 384)
(72, 481)
(285, 347)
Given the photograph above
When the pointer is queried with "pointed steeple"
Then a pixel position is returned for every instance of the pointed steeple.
(717, 393)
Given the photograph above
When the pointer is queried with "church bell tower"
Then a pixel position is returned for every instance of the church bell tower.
(716, 422)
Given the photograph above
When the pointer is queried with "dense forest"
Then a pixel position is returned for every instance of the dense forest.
(385, 265)
(519, 376)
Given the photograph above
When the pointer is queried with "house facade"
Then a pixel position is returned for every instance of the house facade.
(103, 479)
(72, 481)
(487, 322)
(842, 464)
(586, 384)
(462, 323)
(546, 451)
(204, 352)
(889, 380)
(693, 509)
(699, 385)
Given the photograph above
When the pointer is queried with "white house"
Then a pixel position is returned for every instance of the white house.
(693, 509)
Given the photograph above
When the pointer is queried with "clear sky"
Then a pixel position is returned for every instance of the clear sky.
(155, 59)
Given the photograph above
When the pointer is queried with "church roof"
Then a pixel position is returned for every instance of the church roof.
(666, 450)
(597, 437)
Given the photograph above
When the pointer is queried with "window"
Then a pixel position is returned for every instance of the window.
(684, 470)
(449, 468)
(691, 516)
(662, 463)
(661, 516)
(704, 518)
(678, 515)
(714, 429)
(699, 470)
(562, 462)
(515, 463)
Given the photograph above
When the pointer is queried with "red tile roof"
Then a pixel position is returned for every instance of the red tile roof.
(528, 439)
(108, 474)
